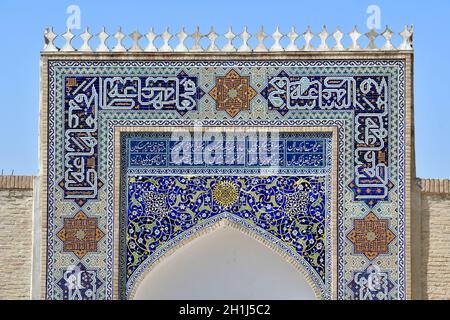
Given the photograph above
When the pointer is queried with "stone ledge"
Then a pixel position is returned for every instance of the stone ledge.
(16, 182)
(434, 185)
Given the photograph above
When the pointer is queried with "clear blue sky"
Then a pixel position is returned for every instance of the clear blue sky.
(22, 24)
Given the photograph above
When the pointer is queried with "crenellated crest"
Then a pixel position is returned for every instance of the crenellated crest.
(328, 41)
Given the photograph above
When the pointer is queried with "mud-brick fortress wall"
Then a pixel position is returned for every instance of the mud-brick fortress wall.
(16, 245)
(435, 204)
(16, 221)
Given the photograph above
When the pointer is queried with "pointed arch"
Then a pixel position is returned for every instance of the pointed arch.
(209, 226)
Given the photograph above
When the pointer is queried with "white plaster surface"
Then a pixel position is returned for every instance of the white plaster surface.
(224, 264)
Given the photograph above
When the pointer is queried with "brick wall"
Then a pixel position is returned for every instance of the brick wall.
(16, 203)
(435, 239)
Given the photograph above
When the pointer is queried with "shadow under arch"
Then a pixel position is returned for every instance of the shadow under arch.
(227, 220)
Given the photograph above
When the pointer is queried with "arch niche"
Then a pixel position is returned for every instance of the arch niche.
(224, 261)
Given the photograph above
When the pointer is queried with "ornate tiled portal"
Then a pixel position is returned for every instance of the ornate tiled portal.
(165, 203)
(139, 160)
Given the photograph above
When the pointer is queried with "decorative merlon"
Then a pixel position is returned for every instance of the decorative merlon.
(434, 185)
(16, 182)
(275, 44)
